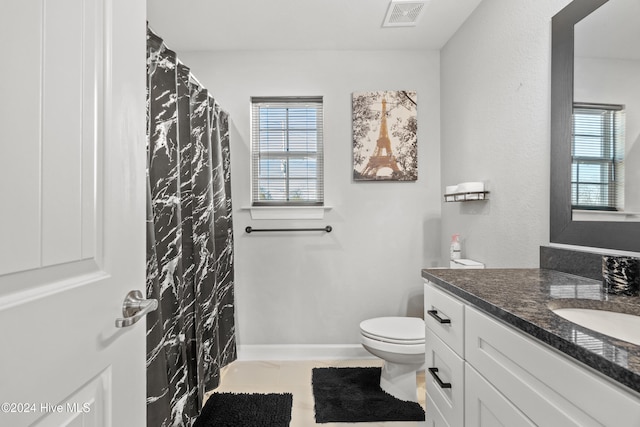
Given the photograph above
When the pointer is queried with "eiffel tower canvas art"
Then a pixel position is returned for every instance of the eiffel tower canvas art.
(385, 129)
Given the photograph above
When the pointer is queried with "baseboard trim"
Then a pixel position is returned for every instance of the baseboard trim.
(302, 352)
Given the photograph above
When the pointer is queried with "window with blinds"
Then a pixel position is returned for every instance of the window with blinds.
(287, 154)
(597, 169)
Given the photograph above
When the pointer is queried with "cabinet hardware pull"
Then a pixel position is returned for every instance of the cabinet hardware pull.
(434, 314)
(434, 374)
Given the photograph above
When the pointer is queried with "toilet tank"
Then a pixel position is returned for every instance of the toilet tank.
(465, 263)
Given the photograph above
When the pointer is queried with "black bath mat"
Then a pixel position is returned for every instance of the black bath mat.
(246, 410)
(352, 395)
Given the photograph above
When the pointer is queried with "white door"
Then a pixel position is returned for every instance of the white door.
(72, 211)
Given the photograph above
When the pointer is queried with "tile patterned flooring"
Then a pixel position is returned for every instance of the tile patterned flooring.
(295, 377)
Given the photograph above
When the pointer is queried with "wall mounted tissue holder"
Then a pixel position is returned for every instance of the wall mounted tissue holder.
(466, 197)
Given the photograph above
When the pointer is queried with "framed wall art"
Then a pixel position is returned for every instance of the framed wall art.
(385, 136)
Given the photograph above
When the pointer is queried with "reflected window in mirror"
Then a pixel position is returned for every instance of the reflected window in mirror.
(597, 157)
(607, 71)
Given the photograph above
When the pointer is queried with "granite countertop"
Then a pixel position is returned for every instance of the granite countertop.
(523, 298)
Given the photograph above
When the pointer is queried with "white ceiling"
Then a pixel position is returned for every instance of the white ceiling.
(188, 25)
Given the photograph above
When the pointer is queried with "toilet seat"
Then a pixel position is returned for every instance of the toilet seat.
(392, 348)
(394, 330)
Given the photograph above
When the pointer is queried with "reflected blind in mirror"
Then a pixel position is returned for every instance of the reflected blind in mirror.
(597, 153)
(287, 153)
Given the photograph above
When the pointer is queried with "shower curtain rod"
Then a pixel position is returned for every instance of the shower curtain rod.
(249, 230)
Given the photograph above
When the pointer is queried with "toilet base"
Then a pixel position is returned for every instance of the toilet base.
(399, 380)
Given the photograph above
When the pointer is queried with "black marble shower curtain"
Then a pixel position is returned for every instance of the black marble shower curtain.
(189, 241)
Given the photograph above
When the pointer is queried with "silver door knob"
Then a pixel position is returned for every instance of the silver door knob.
(134, 308)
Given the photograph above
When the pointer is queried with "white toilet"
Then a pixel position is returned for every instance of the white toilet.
(399, 341)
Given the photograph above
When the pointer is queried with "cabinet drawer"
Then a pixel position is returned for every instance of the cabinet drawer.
(433, 416)
(445, 387)
(551, 389)
(444, 315)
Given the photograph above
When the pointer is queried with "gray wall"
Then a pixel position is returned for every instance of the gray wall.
(315, 289)
(483, 116)
(495, 77)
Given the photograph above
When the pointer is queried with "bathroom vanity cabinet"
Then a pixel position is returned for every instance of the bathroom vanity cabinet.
(483, 372)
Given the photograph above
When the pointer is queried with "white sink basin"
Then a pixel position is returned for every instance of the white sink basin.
(622, 326)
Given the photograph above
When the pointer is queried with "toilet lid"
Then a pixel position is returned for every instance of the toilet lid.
(401, 330)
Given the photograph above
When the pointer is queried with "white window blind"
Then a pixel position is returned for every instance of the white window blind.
(597, 169)
(287, 153)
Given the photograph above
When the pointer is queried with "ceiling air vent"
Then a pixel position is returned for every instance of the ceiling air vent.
(402, 13)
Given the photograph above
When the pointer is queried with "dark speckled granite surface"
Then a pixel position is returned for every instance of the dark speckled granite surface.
(523, 298)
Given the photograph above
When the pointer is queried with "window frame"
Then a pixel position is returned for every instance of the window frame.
(610, 161)
(261, 150)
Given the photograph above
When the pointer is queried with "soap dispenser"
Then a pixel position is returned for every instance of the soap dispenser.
(456, 250)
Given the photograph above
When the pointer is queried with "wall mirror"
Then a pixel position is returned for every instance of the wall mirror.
(596, 63)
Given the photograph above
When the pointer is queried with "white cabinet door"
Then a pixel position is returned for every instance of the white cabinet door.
(548, 387)
(487, 407)
(72, 232)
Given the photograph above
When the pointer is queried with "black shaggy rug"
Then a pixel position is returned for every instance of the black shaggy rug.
(246, 410)
(354, 395)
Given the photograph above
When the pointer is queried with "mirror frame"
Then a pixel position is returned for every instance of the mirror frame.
(597, 234)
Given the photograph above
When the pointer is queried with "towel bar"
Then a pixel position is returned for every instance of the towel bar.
(249, 229)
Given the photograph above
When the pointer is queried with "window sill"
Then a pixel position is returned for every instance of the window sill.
(609, 216)
(287, 212)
